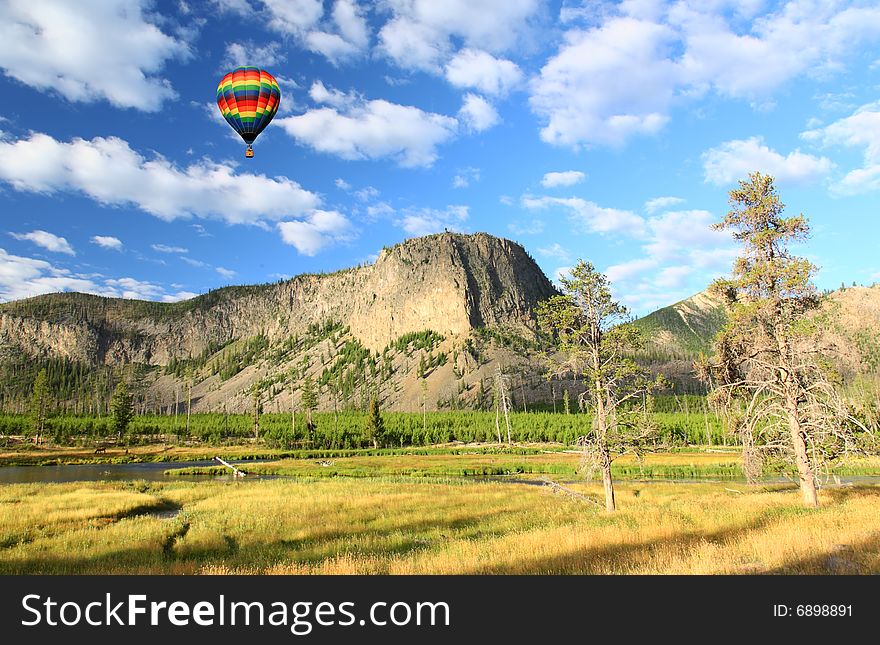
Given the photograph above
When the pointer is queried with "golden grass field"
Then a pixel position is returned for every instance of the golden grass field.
(412, 526)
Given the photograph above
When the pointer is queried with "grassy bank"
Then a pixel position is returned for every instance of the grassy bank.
(431, 526)
(475, 461)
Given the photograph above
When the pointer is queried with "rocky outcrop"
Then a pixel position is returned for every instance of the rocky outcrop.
(449, 283)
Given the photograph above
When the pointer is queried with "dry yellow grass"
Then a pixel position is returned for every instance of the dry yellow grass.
(411, 527)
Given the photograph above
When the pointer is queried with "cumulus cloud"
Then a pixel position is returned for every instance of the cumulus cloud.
(465, 176)
(477, 114)
(861, 129)
(734, 160)
(626, 270)
(622, 75)
(346, 36)
(23, 277)
(317, 231)
(556, 251)
(107, 242)
(110, 172)
(226, 273)
(480, 70)
(48, 241)
(319, 93)
(89, 51)
(339, 36)
(659, 203)
(353, 128)
(429, 220)
(606, 84)
(565, 178)
(248, 53)
(420, 33)
(589, 216)
(293, 17)
(681, 256)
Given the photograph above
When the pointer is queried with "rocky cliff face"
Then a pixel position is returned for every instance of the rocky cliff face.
(448, 283)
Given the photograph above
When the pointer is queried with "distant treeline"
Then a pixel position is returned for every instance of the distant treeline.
(348, 429)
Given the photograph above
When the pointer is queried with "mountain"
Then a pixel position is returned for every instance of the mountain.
(677, 334)
(429, 323)
(684, 329)
(441, 299)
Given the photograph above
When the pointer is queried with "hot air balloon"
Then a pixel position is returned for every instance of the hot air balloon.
(248, 98)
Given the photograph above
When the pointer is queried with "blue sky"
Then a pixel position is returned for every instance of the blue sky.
(609, 131)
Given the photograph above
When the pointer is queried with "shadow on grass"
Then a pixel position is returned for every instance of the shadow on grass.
(841, 559)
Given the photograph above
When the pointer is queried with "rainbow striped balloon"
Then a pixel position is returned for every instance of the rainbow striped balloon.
(248, 98)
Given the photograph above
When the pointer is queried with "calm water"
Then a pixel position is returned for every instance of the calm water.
(155, 471)
(152, 471)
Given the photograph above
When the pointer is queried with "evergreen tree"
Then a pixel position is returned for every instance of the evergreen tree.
(768, 371)
(374, 428)
(592, 336)
(309, 402)
(39, 405)
(122, 408)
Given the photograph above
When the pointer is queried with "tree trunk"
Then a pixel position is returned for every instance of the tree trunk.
(609, 486)
(805, 469)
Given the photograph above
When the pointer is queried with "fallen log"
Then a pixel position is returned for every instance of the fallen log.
(573, 494)
(235, 471)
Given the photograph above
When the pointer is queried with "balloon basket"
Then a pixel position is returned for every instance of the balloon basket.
(249, 153)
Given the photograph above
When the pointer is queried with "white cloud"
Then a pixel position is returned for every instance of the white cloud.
(606, 84)
(623, 75)
(107, 242)
(347, 36)
(110, 172)
(682, 255)
(686, 233)
(382, 209)
(317, 231)
(659, 203)
(419, 34)
(339, 37)
(474, 68)
(477, 114)
(23, 277)
(237, 6)
(195, 263)
(341, 184)
(48, 241)
(734, 160)
(532, 227)
(164, 248)
(247, 53)
(293, 17)
(429, 220)
(373, 130)
(178, 296)
(589, 216)
(366, 194)
(465, 176)
(319, 93)
(626, 270)
(88, 51)
(226, 273)
(350, 20)
(859, 130)
(556, 251)
(565, 178)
